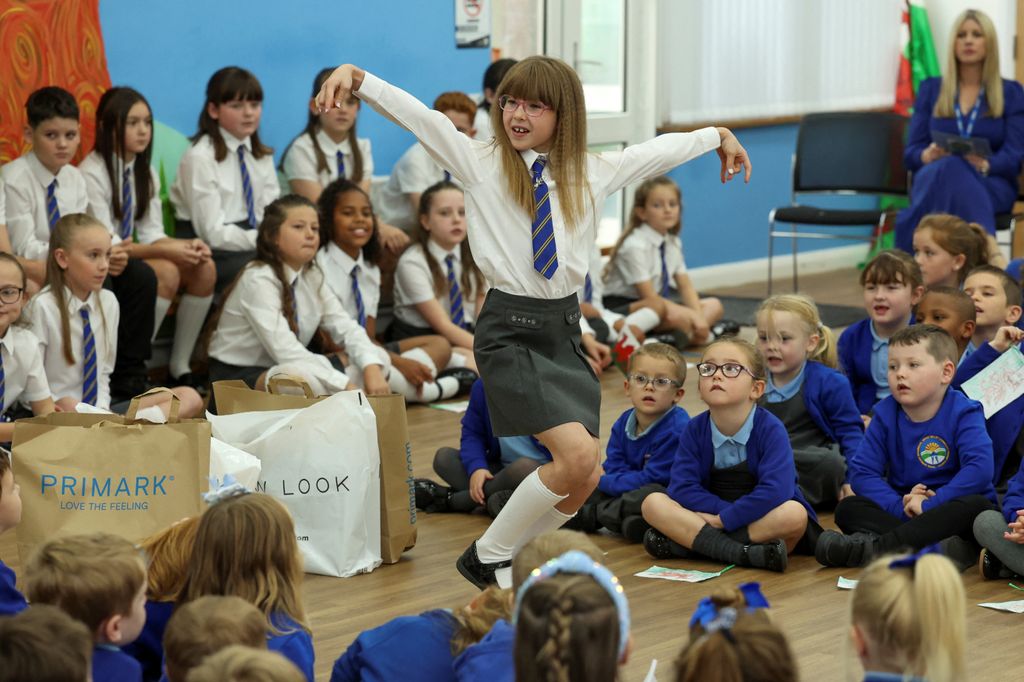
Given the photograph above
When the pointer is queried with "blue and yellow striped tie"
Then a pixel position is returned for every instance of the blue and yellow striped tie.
(358, 296)
(588, 289)
(454, 293)
(89, 386)
(126, 205)
(664, 273)
(52, 210)
(545, 256)
(246, 187)
(341, 164)
(3, 417)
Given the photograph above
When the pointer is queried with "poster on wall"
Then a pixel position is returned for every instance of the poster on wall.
(472, 23)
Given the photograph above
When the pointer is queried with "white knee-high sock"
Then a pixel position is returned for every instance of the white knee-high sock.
(644, 319)
(530, 501)
(429, 391)
(159, 313)
(457, 360)
(187, 327)
(552, 520)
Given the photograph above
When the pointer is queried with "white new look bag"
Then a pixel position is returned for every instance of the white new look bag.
(323, 464)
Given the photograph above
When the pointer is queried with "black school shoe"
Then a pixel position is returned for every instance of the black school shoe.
(477, 572)
(659, 546)
(837, 550)
(725, 328)
(464, 375)
(431, 496)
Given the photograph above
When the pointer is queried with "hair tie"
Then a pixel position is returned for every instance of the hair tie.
(575, 561)
(707, 612)
(224, 489)
(911, 561)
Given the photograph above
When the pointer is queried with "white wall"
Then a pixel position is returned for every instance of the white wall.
(941, 14)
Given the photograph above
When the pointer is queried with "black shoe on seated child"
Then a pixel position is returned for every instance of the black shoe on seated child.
(659, 546)
(634, 528)
(837, 550)
(464, 375)
(431, 496)
(771, 556)
(991, 568)
(476, 571)
(725, 328)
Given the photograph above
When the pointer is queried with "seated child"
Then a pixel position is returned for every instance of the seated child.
(642, 445)
(44, 644)
(245, 547)
(924, 471)
(492, 658)
(811, 398)
(607, 325)
(732, 634)
(11, 600)
(238, 663)
(908, 620)
(892, 287)
(100, 580)
(205, 626)
(947, 247)
(432, 639)
(483, 466)
(951, 310)
(733, 494)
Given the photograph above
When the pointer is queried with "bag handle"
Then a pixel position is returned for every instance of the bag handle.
(133, 406)
(278, 380)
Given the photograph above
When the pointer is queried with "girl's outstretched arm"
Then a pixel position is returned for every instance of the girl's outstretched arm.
(734, 157)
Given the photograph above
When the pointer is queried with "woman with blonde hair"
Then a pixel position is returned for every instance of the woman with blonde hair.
(970, 101)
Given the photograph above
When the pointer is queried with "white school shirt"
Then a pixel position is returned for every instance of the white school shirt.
(25, 183)
(413, 173)
(3, 202)
(300, 161)
(639, 260)
(209, 193)
(499, 229)
(150, 227)
(413, 284)
(24, 375)
(482, 123)
(337, 268)
(253, 331)
(104, 313)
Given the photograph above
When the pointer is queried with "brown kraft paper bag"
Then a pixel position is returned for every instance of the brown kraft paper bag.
(397, 496)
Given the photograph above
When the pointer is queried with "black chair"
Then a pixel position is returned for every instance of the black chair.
(841, 153)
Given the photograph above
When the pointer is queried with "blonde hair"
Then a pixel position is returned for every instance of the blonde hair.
(91, 577)
(168, 554)
(640, 196)
(476, 619)
(990, 77)
(661, 351)
(245, 546)
(63, 237)
(755, 359)
(555, 83)
(957, 237)
(548, 546)
(807, 312)
(205, 626)
(914, 616)
(753, 649)
(237, 663)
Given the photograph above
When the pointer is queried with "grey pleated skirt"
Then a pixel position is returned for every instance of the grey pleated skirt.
(535, 373)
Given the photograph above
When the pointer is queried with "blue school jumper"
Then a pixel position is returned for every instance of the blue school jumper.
(410, 648)
(950, 453)
(110, 664)
(829, 402)
(769, 457)
(148, 648)
(11, 600)
(1014, 498)
(1005, 425)
(296, 644)
(632, 463)
(491, 659)
(479, 448)
(854, 350)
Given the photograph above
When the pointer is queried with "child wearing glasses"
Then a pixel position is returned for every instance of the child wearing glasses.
(812, 399)
(732, 495)
(642, 445)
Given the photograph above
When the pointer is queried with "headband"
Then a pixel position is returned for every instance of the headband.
(713, 619)
(223, 489)
(575, 561)
(911, 561)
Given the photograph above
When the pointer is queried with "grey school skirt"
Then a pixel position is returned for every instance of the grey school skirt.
(535, 373)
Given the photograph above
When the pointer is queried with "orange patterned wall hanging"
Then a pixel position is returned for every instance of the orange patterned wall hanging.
(49, 42)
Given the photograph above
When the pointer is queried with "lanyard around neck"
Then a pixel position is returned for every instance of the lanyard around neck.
(966, 130)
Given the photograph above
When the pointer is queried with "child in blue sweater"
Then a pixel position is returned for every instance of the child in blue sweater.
(892, 286)
(732, 495)
(484, 470)
(11, 600)
(642, 445)
(924, 471)
(808, 395)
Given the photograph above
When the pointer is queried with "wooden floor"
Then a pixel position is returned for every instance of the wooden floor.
(805, 600)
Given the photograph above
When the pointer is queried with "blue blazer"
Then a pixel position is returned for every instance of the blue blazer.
(110, 664)
(491, 659)
(631, 464)
(148, 648)
(479, 447)
(1014, 498)
(829, 401)
(11, 600)
(409, 648)
(854, 348)
(769, 456)
(295, 644)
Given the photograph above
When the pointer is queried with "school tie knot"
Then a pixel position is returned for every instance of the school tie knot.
(454, 293)
(537, 169)
(545, 254)
(250, 206)
(357, 294)
(52, 210)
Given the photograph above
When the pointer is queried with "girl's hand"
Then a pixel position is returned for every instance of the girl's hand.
(913, 507)
(339, 86)
(933, 153)
(415, 372)
(1015, 531)
(713, 520)
(476, 485)
(181, 252)
(392, 238)
(374, 382)
(980, 163)
(118, 259)
(1006, 337)
(597, 351)
(734, 157)
(701, 328)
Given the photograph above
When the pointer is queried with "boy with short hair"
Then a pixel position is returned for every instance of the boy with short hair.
(238, 663)
(952, 310)
(924, 470)
(44, 644)
(41, 186)
(203, 627)
(642, 445)
(893, 285)
(100, 580)
(996, 298)
(11, 600)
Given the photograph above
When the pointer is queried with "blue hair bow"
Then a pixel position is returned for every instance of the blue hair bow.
(911, 561)
(711, 618)
(224, 489)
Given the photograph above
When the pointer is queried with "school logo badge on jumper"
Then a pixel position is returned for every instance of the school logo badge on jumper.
(932, 452)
